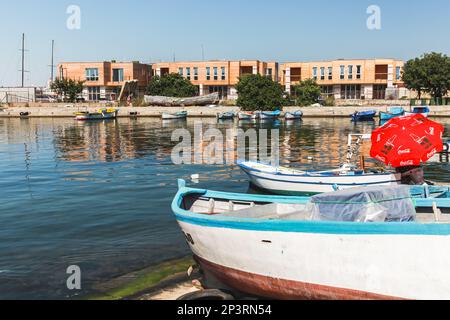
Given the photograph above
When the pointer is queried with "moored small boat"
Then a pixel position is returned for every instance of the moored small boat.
(293, 115)
(101, 114)
(226, 116)
(362, 244)
(269, 115)
(286, 181)
(425, 111)
(364, 115)
(392, 113)
(174, 116)
(246, 115)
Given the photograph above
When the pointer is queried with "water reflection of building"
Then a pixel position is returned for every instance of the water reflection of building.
(323, 139)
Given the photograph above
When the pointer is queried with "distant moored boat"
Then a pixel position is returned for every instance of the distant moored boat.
(268, 115)
(425, 111)
(101, 114)
(364, 115)
(174, 116)
(226, 116)
(392, 113)
(293, 115)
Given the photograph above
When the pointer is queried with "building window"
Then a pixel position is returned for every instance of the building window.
(350, 91)
(208, 73)
(327, 90)
(350, 72)
(180, 71)
(223, 73)
(221, 90)
(92, 74)
(117, 75)
(269, 73)
(94, 93)
(315, 73)
(342, 72)
(196, 73)
(322, 73)
(379, 91)
(358, 72)
(216, 73)
(398, 73)
(188, 73)
(330, 73)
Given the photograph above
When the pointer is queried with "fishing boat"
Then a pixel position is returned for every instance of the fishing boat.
(367, 243)
(290, 181)
(245, 115)
(256, 115)
(293, 115)
(425, 111)
(364, 116)
(392, 113)
(287, 181)
(174, 116)
(101, 114)
(226, 116)
(270, 115)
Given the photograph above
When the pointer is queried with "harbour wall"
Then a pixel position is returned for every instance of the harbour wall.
(68, 111)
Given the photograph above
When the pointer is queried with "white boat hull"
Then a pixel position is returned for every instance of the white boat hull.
(321, 265)
(167, 116)
(426, 114)
(303, 184)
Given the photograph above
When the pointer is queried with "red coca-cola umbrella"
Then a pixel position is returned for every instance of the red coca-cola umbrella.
(407, 141)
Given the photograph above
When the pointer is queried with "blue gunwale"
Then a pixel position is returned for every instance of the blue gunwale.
(316, 227)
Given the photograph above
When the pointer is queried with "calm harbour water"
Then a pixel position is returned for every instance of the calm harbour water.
(98, 195)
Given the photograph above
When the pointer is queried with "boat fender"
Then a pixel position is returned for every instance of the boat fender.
(207, 295)
(212, 205)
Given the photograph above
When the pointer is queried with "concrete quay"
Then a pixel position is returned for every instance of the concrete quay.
(68, 111)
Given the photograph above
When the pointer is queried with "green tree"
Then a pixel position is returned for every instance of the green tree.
(307, 92)
(68, 89)
(437, 78)
(414, 76)
(171, 85)
(257, 92)
(429, 73)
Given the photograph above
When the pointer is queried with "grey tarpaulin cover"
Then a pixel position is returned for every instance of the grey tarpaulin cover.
(368, 204)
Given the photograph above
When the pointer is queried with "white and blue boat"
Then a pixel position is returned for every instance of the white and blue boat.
(269, 115)
(367, 243)
(174, 116)
(297, 115)
(288, 181)
(364, 115)
(425, 111)
(392, 113)
(226, 116)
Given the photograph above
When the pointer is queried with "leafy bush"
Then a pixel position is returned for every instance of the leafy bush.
(329, 101)
(307, 92)
(171, 85)
(257, 92)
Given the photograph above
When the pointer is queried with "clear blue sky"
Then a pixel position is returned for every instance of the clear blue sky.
(154, 30)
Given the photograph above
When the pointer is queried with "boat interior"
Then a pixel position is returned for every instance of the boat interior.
(283, 211)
